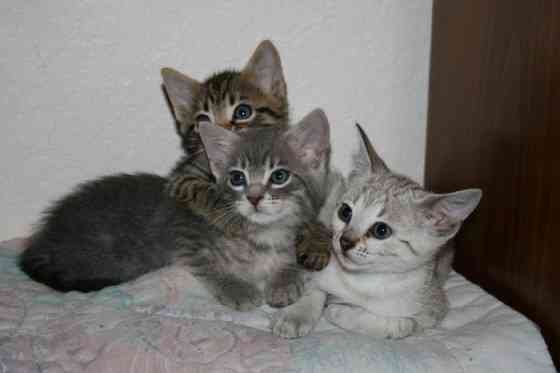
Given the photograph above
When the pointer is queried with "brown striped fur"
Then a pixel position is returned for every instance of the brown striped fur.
(261, 85)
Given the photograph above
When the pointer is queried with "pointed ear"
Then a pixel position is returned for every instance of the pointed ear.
(181, 91)
(220, 145)
(309, 140)
(264, 69)
(366, 159)
(445, 212)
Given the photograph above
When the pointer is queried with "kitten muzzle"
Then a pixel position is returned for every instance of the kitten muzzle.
(255, 194)
(255, 200)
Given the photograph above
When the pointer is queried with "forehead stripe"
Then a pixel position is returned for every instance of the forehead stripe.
(269, 111)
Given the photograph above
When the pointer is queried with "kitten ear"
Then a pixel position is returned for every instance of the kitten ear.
(309, 140)
(366, 159)
(219, 144)
(264, 69)
(181, 91)
(445, 212)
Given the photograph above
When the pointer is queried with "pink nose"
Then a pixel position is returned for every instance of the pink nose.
(255, 199)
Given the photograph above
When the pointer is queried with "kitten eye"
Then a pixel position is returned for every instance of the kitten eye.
(237, 178)
(280, 177)
(242, 112)
(381, 230)
(202, 118)
(345, 213)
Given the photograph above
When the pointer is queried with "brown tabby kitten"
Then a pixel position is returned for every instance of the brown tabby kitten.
(254, 97)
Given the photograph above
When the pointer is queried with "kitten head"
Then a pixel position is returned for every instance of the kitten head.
(264, 174)
(386, 222)
(254, 97)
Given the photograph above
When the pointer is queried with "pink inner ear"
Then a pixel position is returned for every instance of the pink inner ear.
(312, 158)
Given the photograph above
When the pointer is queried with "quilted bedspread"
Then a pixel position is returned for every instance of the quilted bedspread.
(167, 322)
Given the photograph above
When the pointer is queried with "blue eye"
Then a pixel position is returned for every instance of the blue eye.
(237, 178)
(242, 112)
(380, 230)
(279, 177)
(345, 213)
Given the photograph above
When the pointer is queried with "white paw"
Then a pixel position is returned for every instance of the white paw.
(402, 328)
(290, 325)
(365, 323)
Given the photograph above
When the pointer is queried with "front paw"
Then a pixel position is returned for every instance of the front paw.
(287, 324)
(283, 293)
(360, 321)
(314, 260)
(313, 247)
(403, 327)
(239, 296)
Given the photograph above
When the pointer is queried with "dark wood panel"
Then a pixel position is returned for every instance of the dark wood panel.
(494, 122)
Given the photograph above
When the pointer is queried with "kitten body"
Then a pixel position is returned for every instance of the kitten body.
(391, 256)
(117, 228)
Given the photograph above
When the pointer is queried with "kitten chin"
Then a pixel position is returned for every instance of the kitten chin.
(285, 214)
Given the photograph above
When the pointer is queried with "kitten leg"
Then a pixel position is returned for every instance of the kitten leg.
(224, 267)
(313, 246)
(358, 320)
(298, 319)
(234, 292)
(434, 307)
(285, 287)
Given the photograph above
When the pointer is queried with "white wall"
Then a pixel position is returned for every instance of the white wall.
(80, 82)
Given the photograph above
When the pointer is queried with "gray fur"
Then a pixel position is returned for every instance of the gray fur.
(117, 228)
(388, 287)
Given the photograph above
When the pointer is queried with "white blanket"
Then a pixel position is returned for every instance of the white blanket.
(166, 322)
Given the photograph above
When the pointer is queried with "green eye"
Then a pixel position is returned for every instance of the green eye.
(380, 230)
(280, 177)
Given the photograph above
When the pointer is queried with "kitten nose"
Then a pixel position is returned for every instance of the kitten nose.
(346, 244)
(255, 199)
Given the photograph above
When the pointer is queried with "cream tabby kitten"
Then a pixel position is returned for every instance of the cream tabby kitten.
(391, 256)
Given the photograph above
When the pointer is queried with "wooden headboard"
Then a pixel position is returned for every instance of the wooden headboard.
(494, 123)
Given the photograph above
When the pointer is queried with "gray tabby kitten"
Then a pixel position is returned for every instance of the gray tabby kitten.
(254, 97)
(269, 184)
(391, 256)
(117, 228)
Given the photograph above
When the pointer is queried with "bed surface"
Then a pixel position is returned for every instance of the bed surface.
(166, 322)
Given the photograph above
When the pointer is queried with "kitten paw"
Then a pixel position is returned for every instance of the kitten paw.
(314, 261)
(361, 321)
(283, 293)
(291, 325)
(313, 247)
(240, 297)
(403, 327)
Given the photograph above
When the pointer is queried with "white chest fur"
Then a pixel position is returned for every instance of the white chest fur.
(385, 294)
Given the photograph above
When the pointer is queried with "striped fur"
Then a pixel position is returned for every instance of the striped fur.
(261, 85)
